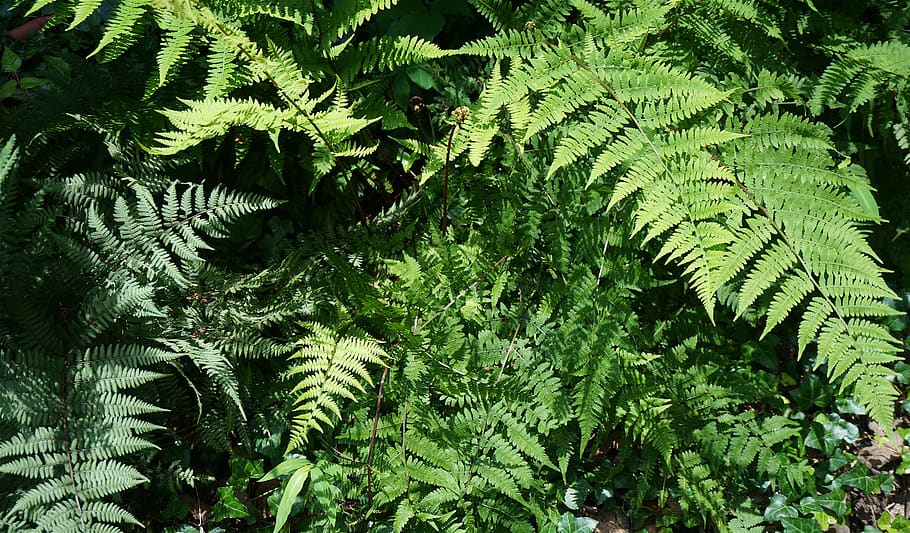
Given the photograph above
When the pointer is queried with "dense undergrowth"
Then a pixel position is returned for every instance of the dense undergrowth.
(454, 265)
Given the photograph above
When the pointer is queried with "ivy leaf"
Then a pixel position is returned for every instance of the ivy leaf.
(800, 525)
(570, 523)
(834, 501)
(229, 506)
(422, 77)
(859, 478)
(849, 406)
(812, 392)
(778, 509)
(837, 461)
(827, 433)
(242, 470)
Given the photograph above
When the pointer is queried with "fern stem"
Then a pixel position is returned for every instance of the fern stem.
(443, 224)
(71, 470)
(464, 291)
(385, 373)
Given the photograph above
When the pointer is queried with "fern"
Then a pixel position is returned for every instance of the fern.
(66, 362)
(637, 178)
(711, 212)
(330, 367)
(859, 73)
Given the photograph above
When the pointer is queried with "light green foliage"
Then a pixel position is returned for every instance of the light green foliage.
(859, 73)
(325, 369)
(745, 214)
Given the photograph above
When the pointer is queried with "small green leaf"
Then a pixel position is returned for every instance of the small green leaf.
(834, 502)
(863, 196)
(800, 525)
(229, 506)
(286, 467)
(421, 77)
(859, 478)
(7, 89)
(812, 392)
(778, 508)
(28, 82)
(570, 523)
(10, 61)
(849, 406)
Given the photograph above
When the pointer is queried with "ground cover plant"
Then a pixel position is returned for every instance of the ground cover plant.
(454, 265)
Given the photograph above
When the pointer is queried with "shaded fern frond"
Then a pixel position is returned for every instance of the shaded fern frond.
(857, 75)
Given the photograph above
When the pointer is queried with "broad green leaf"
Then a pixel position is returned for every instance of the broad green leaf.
(229, 506)
(778, 508)
(570, 523)
(421, 77)
(286, 467)
(291, 490)
(10, 61)
(28, 82)
(800, 525)
(863, 196)
(7, 89)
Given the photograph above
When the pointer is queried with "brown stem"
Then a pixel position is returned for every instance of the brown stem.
(385, 372)
(445, 182)
(71, 470)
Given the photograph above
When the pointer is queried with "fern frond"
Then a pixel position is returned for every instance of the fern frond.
(386, 53)
(858, 74)
(329, 367)
(175, 44)
(123, 29)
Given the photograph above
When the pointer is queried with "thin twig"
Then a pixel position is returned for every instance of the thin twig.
(464, 291)
(385, 372)
(443, 224)
(600, 271)
(505, 359)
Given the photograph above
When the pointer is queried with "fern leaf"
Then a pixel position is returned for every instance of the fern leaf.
(330, 367)
(123, 29)
(84, 8)
(175, 44)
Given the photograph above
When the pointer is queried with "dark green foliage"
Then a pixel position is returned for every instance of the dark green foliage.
(91, 263)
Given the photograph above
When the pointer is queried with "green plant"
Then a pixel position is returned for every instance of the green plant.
(617, 260)
(90, 262)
